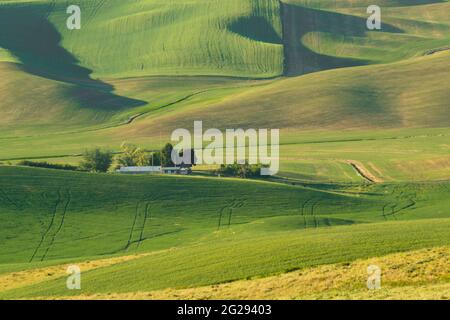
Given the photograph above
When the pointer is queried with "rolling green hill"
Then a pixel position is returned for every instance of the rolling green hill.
(365, 153)
(373, 97)
(244, 39)
(405, 120)
(35, 210)
(51, 216)
(150, 37)
(404, 280)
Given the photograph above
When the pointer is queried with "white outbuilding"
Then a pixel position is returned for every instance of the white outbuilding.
(140, 170)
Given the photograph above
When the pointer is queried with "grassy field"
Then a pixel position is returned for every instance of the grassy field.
(421, 274)
(136, 38)
(52, 216)
(44, 197)
(369, 102)
(364, 155)
(88, 91)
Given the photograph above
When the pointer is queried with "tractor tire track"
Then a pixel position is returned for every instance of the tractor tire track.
(130, 237)
(305, 224)
(393, 211)
(304, 205)
(231, 207)
(47, 231)
(143, 208)
(384, 211)
(238, 204)
(147, 216)
(316, 222)
(66, 206)
(221, 211)
(411, 204)
(401, 196)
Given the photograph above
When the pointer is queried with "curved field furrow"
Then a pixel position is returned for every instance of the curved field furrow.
(142, 215)
(133, 225)
(58, 217)
(147, 216)
(49, 227)
(229, 209)
(60, 225)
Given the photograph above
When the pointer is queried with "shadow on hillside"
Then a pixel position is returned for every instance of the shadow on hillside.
(299, 21)
(29, 36)
(255, 28)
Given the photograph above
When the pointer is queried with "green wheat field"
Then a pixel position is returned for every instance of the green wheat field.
(364, 172)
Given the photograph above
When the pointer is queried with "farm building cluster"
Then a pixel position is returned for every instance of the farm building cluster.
(155, 170)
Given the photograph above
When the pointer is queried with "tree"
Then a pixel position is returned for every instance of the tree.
(192, 160)
(133, 156)
(96, 160)
(166, 156)
(241, 170)
(155, 158)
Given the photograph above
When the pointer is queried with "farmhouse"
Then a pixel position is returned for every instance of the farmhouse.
(176, 170)
(140, 170)
(154, 170)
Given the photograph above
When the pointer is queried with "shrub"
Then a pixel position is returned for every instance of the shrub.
(97, 160)
(47, 165)
(240, 170)
(166, 156)
(132, 156)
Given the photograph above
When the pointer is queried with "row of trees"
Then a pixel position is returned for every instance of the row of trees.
(97, 160)
(133, 156)
(45, 164)
(245, 170)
